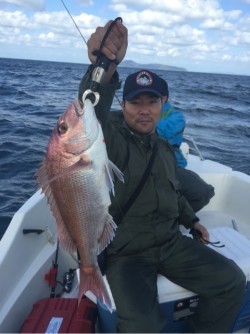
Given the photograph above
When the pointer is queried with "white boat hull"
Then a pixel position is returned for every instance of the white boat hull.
(26, 258)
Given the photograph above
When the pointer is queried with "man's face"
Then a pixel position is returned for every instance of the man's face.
(143, 112)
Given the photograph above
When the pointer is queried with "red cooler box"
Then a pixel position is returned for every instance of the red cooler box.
(61, 315)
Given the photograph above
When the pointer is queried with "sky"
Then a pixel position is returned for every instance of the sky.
(211, 36)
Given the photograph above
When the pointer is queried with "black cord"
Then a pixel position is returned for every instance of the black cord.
(196, 234)
(101, 60)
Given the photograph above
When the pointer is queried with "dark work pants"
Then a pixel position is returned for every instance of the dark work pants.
(218, 281)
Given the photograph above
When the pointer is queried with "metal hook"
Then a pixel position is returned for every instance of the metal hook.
(96, 95)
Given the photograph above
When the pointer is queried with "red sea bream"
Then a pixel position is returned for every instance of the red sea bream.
(77, 178)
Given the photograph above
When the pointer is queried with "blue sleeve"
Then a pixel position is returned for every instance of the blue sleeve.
(181, 160)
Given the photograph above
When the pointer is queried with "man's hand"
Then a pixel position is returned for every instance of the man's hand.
(204, 232)
(115, 45)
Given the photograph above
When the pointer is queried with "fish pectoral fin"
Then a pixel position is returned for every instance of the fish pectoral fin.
(63, 233)
(111, 170)
(42, 176)
(66, 171)
(107, 234)
(71, 169)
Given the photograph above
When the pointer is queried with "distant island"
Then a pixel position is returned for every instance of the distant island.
(133, 64)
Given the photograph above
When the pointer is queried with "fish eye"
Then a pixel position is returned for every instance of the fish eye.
(62, 128)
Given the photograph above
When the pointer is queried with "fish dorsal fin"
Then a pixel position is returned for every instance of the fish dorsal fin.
(63, 234)
(111, 170)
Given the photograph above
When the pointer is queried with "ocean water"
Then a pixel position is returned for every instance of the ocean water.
(34, 94)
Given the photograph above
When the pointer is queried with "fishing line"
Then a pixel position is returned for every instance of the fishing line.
(74, 22)
(86, 41)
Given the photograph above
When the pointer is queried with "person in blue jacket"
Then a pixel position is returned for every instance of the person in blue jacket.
(171, 127)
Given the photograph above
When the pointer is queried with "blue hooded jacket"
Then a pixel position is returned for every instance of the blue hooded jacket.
(171, 127)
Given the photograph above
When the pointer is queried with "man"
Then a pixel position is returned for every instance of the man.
(147, 240)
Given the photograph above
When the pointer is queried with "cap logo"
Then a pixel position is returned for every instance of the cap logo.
(144, 79)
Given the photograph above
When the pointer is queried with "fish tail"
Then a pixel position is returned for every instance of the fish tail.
(91, 280)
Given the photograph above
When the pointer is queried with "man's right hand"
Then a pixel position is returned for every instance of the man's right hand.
(114, 47)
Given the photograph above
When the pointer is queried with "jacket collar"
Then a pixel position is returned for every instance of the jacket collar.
(145, 139)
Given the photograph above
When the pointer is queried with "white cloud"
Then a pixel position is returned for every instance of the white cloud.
(245, 57)
(45, 28)
(30, 4)
(85, 2)
(243, 37)
(226, 57)
(13, 19)
(171, 32)
(217, 24)
(233, 14)
(185, 8)
(197, 29)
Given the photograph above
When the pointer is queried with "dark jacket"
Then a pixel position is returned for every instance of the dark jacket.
(157, 212)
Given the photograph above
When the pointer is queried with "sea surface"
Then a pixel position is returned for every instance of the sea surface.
(35, 93)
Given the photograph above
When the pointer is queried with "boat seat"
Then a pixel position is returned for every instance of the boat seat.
(237, 248)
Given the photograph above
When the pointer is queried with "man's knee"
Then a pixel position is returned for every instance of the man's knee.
(203, 196)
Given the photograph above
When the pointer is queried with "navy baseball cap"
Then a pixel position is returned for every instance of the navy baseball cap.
(144, 81)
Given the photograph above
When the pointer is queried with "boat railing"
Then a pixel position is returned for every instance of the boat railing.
(194, 146)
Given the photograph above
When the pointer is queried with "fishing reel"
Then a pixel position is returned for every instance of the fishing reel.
(68, 279)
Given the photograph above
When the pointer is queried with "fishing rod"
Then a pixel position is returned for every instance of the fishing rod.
(101, 65)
